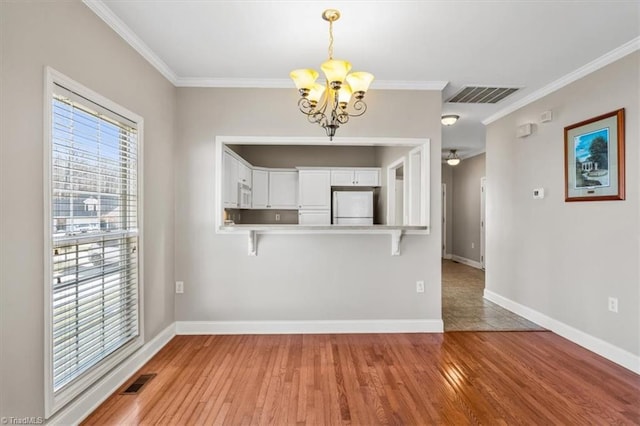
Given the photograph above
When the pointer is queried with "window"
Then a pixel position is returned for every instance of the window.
(92, 282)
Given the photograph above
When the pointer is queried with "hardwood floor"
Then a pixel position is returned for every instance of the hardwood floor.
(413, 379)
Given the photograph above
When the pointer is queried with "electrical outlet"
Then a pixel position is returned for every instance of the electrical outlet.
(277, 217)
(179, 286)
(613, 304)
(473, 245)
(419, 286)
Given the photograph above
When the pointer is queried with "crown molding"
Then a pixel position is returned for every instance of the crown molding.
(601, 62)
(102, 10)
(106, 14)
(285, 83)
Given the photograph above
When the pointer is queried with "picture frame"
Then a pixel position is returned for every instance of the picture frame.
(594, 159)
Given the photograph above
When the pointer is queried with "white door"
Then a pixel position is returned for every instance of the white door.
(315, 189)
(483, 207)
(366, 177)
(342, 178)
(283, 190)
(260, 189)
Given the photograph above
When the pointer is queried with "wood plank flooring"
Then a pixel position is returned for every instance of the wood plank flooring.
(367, 379)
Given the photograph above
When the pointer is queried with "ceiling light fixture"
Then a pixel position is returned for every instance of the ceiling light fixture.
(326, 104)
(449, 119)
(453, 159)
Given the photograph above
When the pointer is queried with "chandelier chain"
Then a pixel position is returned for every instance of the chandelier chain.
(330, 39)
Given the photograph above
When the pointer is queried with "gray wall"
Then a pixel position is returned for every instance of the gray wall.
(308, 155)
(71, 39)
(565, 259)
(296, 277)
(447, 179)
(465, 212)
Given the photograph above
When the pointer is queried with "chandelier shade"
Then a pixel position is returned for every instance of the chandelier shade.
(315, 94)
(335, 70)
(360, 81)
(304, 78)
(340, 97)
(453, 159)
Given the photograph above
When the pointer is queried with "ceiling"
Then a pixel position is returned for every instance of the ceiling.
(406, 44)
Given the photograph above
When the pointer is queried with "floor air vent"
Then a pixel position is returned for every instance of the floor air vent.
(136, 387)
(481, 95)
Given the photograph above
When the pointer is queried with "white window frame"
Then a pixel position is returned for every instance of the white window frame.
(56, 400)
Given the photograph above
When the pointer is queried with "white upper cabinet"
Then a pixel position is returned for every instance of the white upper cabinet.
(260, 189)
(275, 189)
(342, 178)
(355, 177)
(363, 177)
(314, 189)
(283, 190)
(230, 189)
(244, 174)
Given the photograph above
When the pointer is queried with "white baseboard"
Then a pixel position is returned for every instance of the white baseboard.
(86, 403)
(447, 256)
(309, 327)
(607, 350)
(466, 261)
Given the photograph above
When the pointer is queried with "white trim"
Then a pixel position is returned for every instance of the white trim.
(483, 221)
(128, 35)
(319, 140)
(309, 327)
(112, 20)
(424, 152)
(602, 61)
(54, 402)
(605, 349)
(468, 262)
(86, 403)
(443, 200)
(448, 256)
(285, 83)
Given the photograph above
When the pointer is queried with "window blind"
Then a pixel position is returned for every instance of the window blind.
(94, 212)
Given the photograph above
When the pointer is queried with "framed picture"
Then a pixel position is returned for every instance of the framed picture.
(594, 158)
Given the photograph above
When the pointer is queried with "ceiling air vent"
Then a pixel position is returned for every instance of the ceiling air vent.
(481, 95)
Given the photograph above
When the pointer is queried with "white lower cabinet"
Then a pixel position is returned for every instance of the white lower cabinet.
(314, 217)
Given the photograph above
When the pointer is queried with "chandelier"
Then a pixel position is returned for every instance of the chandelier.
(328, 104)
